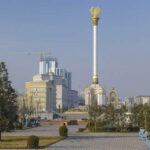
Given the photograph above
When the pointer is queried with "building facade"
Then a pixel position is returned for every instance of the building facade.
(73, 98)
(95, 94)
(142, 100)
(50, 90)
(61, 97)
(41, 94)
(50, 64)
(128, 102)
(81, 97)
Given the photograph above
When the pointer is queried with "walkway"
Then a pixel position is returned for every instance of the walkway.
(86, 141)
(101, 141)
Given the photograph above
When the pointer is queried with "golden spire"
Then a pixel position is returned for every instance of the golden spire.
(95, 12)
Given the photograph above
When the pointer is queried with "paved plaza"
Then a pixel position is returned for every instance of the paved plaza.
(42, 131)
(101, 141)
(86, 141)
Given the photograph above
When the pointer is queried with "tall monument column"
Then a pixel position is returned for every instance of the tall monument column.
(95, 93)
(95, 12)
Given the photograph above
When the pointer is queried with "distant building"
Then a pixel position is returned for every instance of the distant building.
(21, 101)
(41, 93)
(73, 98)
(128, 102)
(142, 100)
(50, 64)
(50, 90)
(81, 100)
(61, 96)
(66, 75)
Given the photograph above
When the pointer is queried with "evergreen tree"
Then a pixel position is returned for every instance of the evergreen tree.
(95, 113)
(8, 105)
(109, 115)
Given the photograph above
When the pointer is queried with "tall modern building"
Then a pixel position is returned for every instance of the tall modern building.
(50, 90)
(50, 64)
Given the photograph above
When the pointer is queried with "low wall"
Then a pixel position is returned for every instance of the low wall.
(74, 115)
(53, 123)
(82, 123)
(62, 122)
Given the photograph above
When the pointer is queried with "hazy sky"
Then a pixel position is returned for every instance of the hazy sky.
(64, 28)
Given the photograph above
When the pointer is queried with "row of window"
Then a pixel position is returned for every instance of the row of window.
(35, 89)
(38, 94)
(41, 100)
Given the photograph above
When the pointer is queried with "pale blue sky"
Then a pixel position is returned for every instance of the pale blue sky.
(64, 28)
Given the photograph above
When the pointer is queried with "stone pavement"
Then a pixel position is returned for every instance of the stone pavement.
(101, 141)
(86, 141)
(42, 131)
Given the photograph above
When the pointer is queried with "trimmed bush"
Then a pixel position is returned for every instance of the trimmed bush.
(63, 131)
(81, 129)
(33, 142)
(114, 129)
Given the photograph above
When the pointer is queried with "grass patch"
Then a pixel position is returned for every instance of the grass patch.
(18, 142)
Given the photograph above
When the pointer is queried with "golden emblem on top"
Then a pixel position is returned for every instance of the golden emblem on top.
(95, 11)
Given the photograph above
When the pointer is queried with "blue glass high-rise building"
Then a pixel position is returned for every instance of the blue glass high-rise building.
(50, 64)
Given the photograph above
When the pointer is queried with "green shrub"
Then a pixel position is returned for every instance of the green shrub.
(114, 129)
(81, 129)
(33, 142)
(63, 131)
(132, 129)
(29, 124)
(20, 125)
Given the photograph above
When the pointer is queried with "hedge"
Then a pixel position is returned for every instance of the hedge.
(114, 129)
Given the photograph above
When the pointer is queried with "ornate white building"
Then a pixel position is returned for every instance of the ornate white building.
(95, 94)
